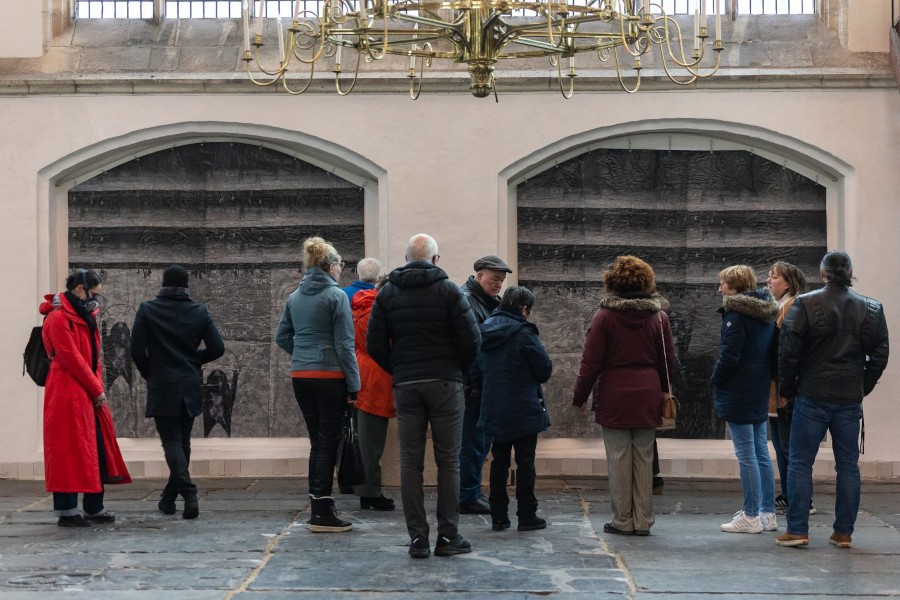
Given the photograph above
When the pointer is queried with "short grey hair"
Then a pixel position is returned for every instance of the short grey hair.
(421, 247)
(368, 269)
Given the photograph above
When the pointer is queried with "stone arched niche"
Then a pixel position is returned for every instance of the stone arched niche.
(689, 214)
(235, 216)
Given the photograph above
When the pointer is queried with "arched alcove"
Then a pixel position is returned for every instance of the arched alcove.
(691, 197)
(233, 209)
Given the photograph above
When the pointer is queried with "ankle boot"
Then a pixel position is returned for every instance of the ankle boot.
(324, 517)
(376, 503)
(531, 523)
(167, 503)
(191, 507)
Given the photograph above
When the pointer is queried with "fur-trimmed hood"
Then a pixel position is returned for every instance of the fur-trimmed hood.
(645, 303)
(757, 304)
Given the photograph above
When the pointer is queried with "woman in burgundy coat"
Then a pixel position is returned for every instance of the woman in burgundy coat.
(80, 448)
(627, 353)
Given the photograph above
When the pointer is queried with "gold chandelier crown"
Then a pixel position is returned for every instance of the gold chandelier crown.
(481, 32)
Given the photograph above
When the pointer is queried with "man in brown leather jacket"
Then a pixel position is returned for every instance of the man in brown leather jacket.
(833, 349)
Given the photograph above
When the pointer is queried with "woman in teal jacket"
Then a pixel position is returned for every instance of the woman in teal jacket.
(316, 329)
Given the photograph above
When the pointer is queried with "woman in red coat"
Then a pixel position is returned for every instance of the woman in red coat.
(628, 360)
(80, 448)
(374, 406)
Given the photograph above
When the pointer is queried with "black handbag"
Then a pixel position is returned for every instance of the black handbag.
(351, 470)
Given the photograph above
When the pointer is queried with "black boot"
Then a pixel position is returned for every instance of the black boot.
(324, 517)
(191, 507)
(531, 522)
(167, 503)
(376, 503)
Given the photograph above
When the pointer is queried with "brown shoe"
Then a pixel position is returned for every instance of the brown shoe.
(840, 540)
(792, 539)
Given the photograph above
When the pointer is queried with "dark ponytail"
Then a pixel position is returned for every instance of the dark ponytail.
(837, 268)
(85, 277)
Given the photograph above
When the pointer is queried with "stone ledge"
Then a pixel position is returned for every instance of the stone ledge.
(579, 458)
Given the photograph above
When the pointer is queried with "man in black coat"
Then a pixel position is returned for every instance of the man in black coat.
(482, 290)
(423, 333)
(832, 350)
(165, 347)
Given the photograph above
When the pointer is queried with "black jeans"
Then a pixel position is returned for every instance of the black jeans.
(525, 448)
(323, 403)
(175, 435)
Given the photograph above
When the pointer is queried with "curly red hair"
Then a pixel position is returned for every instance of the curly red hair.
(629, 274)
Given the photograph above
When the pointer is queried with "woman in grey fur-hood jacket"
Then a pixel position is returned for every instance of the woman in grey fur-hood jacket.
(743, 372)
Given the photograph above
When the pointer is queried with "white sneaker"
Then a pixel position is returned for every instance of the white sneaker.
(769, 521)
(741, 523)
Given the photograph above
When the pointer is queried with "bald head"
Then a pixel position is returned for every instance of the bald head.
(421, 247)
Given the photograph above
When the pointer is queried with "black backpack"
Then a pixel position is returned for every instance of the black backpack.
(36, 360)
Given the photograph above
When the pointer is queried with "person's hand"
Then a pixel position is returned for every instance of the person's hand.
(99, 400)
(351, 400)
(781, 402)
(583, 408)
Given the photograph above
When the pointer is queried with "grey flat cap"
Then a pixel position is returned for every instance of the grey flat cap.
(494, 263)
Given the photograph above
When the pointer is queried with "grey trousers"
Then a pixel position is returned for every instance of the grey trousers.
(629, 459)
(372, 436)
(440, 404)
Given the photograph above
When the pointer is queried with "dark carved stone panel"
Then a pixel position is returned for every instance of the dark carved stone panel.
(235, 216)
(688, 214)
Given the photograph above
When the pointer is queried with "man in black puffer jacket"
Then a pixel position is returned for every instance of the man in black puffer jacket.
(422, 331)
(832, 350)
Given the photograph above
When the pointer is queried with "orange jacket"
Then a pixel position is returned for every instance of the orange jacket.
(376, 396)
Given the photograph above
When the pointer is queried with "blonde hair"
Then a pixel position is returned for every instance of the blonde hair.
(319, 253)
(740, 278)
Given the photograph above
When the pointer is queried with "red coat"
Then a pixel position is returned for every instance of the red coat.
(623, 357)
(376, 394)
(71, 463)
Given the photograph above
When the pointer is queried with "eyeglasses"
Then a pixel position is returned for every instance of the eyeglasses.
(340, 265)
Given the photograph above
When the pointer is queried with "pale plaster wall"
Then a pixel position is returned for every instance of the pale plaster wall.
(21, 29)
(868, 23)
(438, 162)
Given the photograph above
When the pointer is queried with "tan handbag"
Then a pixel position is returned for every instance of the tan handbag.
(670, 404)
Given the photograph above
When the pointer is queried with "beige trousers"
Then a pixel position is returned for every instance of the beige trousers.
(629, 459)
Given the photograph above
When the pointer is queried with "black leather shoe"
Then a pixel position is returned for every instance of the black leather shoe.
(532, 523)
(104, 519)
(191, 507)
(500, 524)
(73, 521)
(376, 503)
(608, 528)
(479, 507)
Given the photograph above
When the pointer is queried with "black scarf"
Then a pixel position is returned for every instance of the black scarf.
(82, 311)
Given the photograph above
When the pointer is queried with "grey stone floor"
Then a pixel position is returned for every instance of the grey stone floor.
(250, 543)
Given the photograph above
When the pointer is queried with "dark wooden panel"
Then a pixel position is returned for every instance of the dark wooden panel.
(235, 216)
(688, 214)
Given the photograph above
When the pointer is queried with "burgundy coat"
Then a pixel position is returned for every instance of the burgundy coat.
(623, 356)
(71, 462)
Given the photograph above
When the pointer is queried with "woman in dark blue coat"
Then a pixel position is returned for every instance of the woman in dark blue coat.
(510, 369)
(741, 376)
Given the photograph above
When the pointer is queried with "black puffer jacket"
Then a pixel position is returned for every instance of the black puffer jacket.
(833, 346)
(421, 326)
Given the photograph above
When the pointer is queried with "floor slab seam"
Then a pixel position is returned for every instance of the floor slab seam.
(267, 556)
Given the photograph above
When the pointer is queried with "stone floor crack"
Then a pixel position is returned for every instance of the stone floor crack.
(269, 553)
(33, 506)
(620, 562)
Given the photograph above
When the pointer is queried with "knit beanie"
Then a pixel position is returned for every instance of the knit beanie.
(175, 276)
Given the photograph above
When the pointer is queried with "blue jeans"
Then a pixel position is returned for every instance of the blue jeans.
(755, 464)
(811, 421)
(472, 452)
(65, 504)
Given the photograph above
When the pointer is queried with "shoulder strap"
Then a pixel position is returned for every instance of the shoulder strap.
(662, 335)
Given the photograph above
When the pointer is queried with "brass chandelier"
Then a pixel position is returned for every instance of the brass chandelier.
(479, 33)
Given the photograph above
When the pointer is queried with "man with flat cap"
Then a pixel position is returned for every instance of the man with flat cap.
(482, 290)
